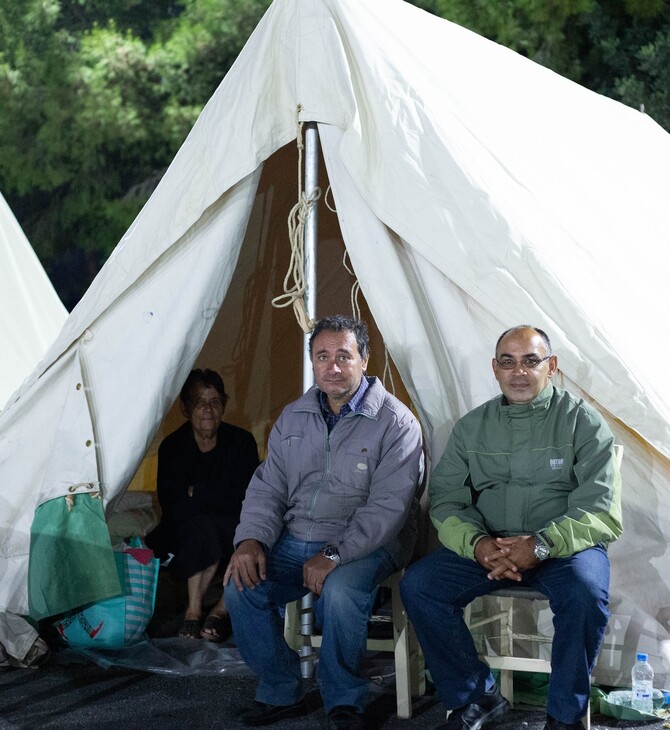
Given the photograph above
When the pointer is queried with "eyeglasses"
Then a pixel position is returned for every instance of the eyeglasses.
(214, 403)
(530, 362)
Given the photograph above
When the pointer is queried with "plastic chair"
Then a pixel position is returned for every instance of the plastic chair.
(507, 662)
(408, 658)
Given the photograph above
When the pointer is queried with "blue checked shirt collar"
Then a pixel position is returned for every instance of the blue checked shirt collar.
(355, 405)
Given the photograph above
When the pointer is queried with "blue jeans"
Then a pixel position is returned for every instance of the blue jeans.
(343, 611)
(437, 588)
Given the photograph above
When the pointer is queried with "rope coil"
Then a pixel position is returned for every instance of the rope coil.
(294, 283)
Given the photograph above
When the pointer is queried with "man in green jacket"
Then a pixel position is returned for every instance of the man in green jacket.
(527, 492)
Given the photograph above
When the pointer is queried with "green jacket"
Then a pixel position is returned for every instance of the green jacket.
(547, 467)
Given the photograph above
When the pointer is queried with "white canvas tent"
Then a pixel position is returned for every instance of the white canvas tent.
(474, 190)
(31, 314)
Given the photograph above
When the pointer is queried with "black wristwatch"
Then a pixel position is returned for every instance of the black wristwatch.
(332, 553)
(541, 550)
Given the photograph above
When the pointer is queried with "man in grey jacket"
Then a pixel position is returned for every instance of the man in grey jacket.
(328, 511)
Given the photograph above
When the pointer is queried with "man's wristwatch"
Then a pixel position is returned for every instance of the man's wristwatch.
(541, 550)
(332, 553)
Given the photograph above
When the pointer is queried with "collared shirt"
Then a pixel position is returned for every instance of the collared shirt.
(351, 406)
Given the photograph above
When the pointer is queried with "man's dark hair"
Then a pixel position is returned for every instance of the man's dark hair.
(542, 333)
(202, 378)
(343, 323)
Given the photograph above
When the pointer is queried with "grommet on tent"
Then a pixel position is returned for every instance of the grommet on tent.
(83, 485)
(94, 492)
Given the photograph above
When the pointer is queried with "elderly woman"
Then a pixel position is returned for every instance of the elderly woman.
(203, 471)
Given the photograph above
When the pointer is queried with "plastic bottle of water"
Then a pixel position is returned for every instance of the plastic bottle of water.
(642, 678)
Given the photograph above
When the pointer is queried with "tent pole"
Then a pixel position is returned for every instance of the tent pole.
(311, 228)
(307, 654)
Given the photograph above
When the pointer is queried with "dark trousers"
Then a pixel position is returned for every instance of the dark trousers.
(437, 588)
(196, 543)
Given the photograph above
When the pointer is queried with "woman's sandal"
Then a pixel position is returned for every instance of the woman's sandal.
(190, 629)
(216, 629)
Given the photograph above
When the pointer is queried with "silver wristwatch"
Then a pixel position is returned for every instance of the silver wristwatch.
(541, 550)
(332, 553)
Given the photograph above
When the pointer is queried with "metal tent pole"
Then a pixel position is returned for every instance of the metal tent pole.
(311, 227)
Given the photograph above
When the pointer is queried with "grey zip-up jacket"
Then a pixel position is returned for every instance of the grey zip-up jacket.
(353, 488)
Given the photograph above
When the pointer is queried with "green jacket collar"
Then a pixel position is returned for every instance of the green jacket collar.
(540, 403)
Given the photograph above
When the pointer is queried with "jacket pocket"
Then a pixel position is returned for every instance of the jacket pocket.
(303, 463)
(353, 466)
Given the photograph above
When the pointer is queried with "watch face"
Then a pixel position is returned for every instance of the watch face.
(541, 550)
(331, 552)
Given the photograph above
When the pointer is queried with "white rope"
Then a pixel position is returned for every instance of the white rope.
(330, 207)
(355, 287)
(294, 293)
(387, 375)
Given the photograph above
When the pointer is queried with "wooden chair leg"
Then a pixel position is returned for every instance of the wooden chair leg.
(401, 654)
(507, 648)
(292, 625)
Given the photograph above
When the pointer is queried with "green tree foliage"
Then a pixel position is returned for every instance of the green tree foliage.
(97, 96)
(534, 28)
(139, 17)
(625, 47)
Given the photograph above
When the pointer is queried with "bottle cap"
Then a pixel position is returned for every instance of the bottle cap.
(641, 657)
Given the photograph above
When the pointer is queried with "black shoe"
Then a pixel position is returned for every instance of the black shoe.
(345, 717)
(558, 725)
(479, 714)
(262, 714)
